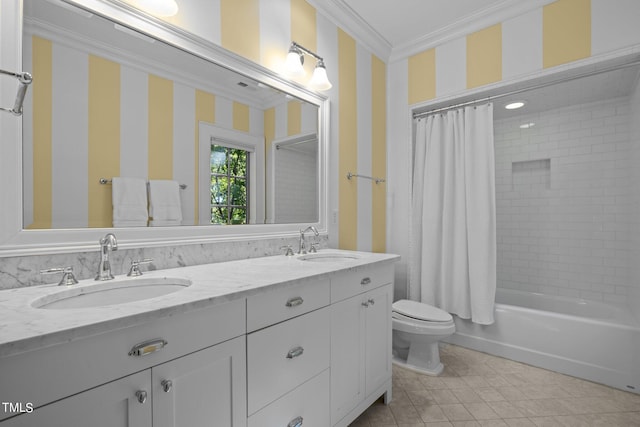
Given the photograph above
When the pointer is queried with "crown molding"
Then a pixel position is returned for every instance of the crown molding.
(348, 20)
(477, 21)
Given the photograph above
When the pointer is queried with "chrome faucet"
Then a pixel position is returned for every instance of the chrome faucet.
(302, 249)
(107, 244)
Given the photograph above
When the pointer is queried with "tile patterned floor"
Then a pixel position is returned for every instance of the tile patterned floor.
(477, 389)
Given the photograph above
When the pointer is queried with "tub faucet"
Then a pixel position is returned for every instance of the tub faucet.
(302, 249)
(107, 244)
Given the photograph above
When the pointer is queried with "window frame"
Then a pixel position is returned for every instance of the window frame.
(210, 134)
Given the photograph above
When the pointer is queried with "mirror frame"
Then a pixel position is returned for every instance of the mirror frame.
(16, 241)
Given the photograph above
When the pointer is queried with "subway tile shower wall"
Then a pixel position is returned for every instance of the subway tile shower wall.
(564, 201)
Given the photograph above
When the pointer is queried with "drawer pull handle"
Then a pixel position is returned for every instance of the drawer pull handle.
(294, 302)
(295, 352)
(296, 422)
(166, 385)
(141, 396)
(147, 347)
(365, 281)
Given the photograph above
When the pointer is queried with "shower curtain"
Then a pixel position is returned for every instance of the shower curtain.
(454, 213)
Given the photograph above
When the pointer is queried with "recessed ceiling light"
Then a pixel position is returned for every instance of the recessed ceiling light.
(527, 125)
(514, 105)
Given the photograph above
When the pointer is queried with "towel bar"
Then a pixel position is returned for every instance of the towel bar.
(355, 175)
(105, 181)
(25, 80)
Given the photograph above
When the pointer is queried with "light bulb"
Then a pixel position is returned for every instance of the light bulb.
(293, 63)
(319, 79)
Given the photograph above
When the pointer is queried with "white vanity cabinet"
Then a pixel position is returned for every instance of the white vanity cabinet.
(288, 361)
(205, 388)
(312, 350)
(199, 376)
(110, 405)
(192, 390)
(360, 341)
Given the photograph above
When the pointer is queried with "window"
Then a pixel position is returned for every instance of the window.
(229, 185)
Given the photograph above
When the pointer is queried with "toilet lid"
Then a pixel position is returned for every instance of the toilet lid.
(421, 311)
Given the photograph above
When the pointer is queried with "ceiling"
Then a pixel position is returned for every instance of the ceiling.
(404, 21)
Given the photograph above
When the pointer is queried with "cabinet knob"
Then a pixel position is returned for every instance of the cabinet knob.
(296, 422)
(166, 385)
(371, 301)
(295, 352)
(141, 395)
(365, 281)
(365, 303)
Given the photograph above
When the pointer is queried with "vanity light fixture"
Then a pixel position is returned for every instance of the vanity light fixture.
(164, 8)
(514, 105)
(295, 60)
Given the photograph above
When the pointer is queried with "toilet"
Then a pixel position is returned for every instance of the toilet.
(417, 329)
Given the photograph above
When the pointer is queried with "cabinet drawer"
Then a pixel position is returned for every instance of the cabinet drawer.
(275, 306)
(353, 283)
(284, 356)
(309, 401)
(52, 373)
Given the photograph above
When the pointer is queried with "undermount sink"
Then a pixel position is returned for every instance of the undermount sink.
(110, 293)
(328, 257)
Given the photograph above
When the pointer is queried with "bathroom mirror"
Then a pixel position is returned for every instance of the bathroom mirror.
(109, 101)
(118, 93)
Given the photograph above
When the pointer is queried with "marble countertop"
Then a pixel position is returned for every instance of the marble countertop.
(24, 327)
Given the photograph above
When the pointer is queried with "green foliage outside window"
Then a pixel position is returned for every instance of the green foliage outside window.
(229, 185)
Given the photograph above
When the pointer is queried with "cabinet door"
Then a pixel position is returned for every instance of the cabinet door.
(206, 388)
(347, 356)
(378, 337)
(113, 404)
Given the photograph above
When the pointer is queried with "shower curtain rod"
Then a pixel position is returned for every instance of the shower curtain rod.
(528, 88)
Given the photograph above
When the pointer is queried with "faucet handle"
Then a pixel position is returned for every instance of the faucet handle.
(67, 275)
(134, 271)
(289, 251)
(314, 247)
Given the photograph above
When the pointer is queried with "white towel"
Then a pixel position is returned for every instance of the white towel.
(164, 203)
(129, 200)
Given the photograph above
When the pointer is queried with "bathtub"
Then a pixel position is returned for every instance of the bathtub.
(592, 340)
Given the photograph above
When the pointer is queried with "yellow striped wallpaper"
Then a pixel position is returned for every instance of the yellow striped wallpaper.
(294, 120)
(484, 56)
(240, 116)
(566, 32)
(104, 136)
(240, 28)
(42, 113)
(104, 131)
(422, 76)
(378, 153)
(347, 142)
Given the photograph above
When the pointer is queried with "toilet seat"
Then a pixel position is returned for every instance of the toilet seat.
(420, 312)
